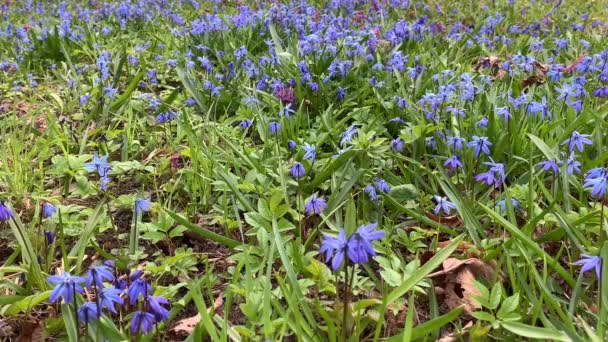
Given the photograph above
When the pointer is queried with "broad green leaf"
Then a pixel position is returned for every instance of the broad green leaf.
(534, 332)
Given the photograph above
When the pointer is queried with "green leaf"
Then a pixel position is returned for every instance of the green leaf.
(483, 316)
(128, 91)
(404, 192)
(549, 153)
(495, 296)
(204, 232)
(531, 331)
(80, 246)
(428, 327)
(508, 306)
(27, 303)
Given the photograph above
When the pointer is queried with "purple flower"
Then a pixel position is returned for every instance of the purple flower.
(334, 249)
(359, 246)
(275, 127)
(483, 122)
(137, 288)
(503, 205)
(340, 94)
(480, 144)
(97, 275)
(397, 144)
(246, 124)
(156, 308)
(142, 322)
(311, 153)
(504, 112)
(110, 296)
(297, 170)
(49, 237)
(577, 141)
(315, 205)
(5, 213)
(597, 182)
(443, 204)
(382, 185)
(98, 164)
(348, 135)
(573, 164)
(66, 286)
(88, 312)
(550, 165)
(455, 143)
(286, 111)
(371, 192)
(142, 205)
(453, 163)
(539, 107)
(292, 145)
(48, 210)
(590, 262)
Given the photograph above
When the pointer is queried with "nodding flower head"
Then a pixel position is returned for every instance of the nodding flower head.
(5, 213)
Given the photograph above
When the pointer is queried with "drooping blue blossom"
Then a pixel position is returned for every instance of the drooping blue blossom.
(370, 190)
(483, 122)
(359, 246)
(156, 308)
(455, 143)
(550, 165)
(49, 237)
(443, 204)
(577, 140)
(297, 170)
(48, 210)
(87, 312)
(591, 262)
(97, 275)
(142, 322)
(480, 144)
(573, 165)
(539, 107)
(142, 205)
(139, 287)
(597, 181)
(110, 296)
(275, 127)
(315, 205)
(382, 185)
(334, 249)
(397, 145)
(292, 145)
(453, 163)
(502, 205)
(66, 286)
(504, 112)
(286, 111)
(348, 135)
(246, 124)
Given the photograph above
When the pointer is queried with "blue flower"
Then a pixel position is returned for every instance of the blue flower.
(577, 141)
(142, 205)
(483, 122)
(443, 204)
(156, 307)
(542, 107)
(5, 213)
(334, 249)
(142, 322)
(311, 152)
(109, 296)
(371, 192)
(297, 170)
(286, 111)
(65, 287)
(246, 124)
(397, 144)
(315, 205)
(88, 312)
(550, 165)
(359, 246)
(502, 205)
(455, 143)
(137, 288)
(573, 165)
(504, 112)
(348, 135)
(275, 127)
(453, 163)
(382, 185)
(590, 262)
(480, 144)
(49, 237)
(340, 94)
(98, 164)
(597, 182)
(97, 275)
(292, 145)
(48, 210)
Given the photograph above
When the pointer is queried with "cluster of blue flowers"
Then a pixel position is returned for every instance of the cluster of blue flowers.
(120, 292)
(358, 247)
(101, 165)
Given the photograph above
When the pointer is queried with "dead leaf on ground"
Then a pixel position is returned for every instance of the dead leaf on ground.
(457, 336)
(450, 221)
(457, 281)
(32, 330)
(186, 326)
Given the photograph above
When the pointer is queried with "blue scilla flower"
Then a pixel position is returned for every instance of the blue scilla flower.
(97, 275)
(139, 287)
(155, 304)
(397, 144)
(334, 249)
(596, 180)
(455, 143)
(292, 145)
(48, 210)
(550, 165)
(348, 135)
(359, 247)
(88, 312)
(297, 170)
(502, 205)
(453, 163)
(275, 127)
(110, 296)
(66, 286)
(382, 185)
(142, 205)
(310, 152)
(99, 164)
(315, 205)
(142, 322)
(577, 140)
(443, 204)
(246, 124)
(370, 190)
(5, 213)
(480, 144)
(590, 262)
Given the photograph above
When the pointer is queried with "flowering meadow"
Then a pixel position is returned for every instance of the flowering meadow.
(307, 170)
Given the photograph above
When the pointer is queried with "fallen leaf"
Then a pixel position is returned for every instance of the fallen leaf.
(32, 330)
(450, 221)
(187, 325)
(457, 336)
(458, 276)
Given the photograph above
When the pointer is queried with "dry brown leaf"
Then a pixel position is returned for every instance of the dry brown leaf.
(458, 276)
(457, 336)
(450, 221)
(532, 80)
(186, 326)
(32, 331)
